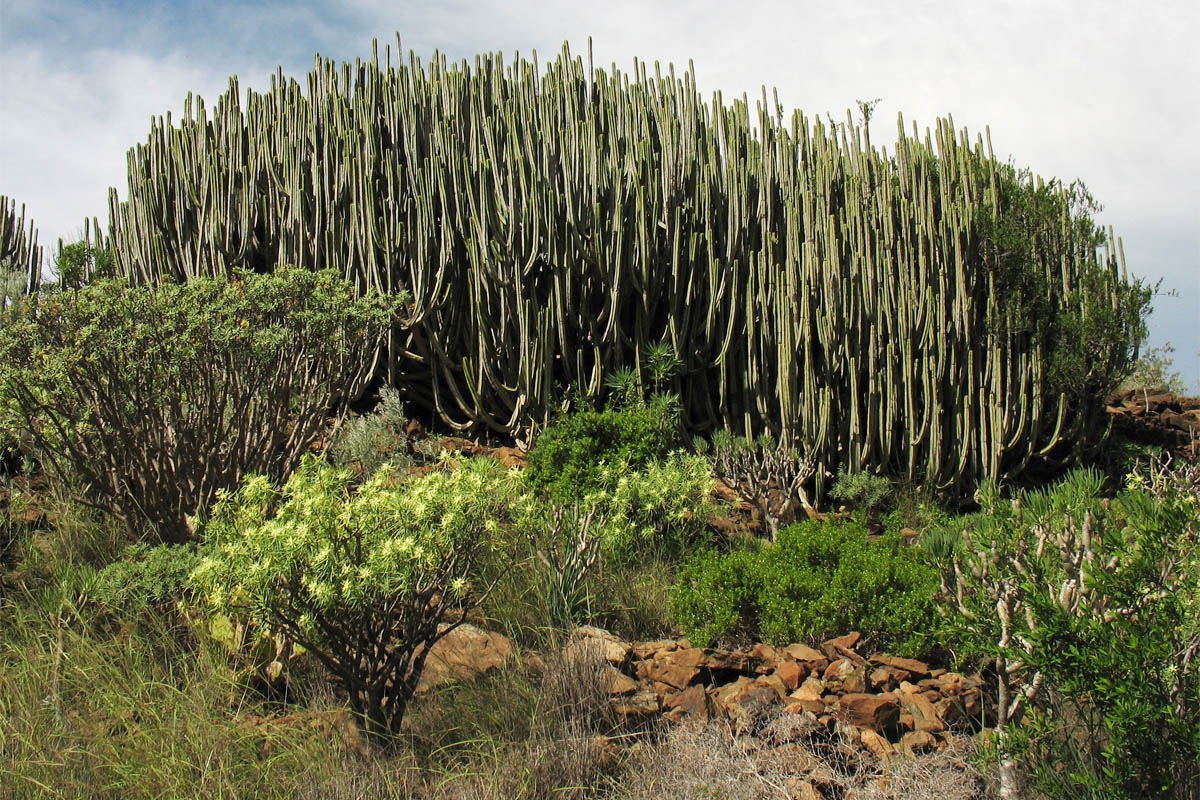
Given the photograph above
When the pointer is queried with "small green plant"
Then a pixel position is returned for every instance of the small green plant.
(577, 454)
(366, 580)
(817, 579)
(863, 491)
(151, 399)
(145, 580)
(369, 441)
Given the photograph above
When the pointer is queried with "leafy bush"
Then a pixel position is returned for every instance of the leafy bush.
(145, 579)
(568, 459)
(862, 490)
(366, 581)
(1088, 609)
(818, 579)
(154, 398)
(369, 441)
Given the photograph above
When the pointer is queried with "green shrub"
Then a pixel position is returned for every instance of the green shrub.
(863, 491)
(366, 581)
(818, 579)
(1088, 610)
(146, 579)
(154, 398)
(369, 441)
(568, 460)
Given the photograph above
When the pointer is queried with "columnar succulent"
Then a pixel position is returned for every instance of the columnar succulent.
(554, 226)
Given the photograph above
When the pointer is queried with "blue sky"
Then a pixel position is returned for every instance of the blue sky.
(1103, 91)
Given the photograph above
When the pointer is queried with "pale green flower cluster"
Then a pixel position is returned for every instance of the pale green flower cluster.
(318, 546)
(660, 501)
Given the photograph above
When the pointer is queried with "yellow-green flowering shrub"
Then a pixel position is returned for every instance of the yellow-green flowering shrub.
(366, 579)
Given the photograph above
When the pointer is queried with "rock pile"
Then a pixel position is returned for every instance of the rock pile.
(1158, 418)
(894, 705)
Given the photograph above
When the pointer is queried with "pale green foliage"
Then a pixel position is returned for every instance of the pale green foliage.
(375, 438)
(1153, 372)
(661, 505)
(363, 578)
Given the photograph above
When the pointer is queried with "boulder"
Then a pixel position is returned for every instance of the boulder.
(465, 653)
(877, 712)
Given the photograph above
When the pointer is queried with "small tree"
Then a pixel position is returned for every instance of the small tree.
(769, 474)
(153, 398)
(367, 581)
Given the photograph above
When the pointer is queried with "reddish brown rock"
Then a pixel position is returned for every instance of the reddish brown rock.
(643, 703)
(875, 711)
(874, 742)
(644, 650)
(917, 742)
(618, 682)
(693, 703)
(802, 652)
(464, 653)
(884, 679)
(668, 671)
(747, 703)
(790, 673)
(587, 638)
(848, 641)
(812, 689)
(510, 457)
(914, 668)
(924, 715)
(775, 683)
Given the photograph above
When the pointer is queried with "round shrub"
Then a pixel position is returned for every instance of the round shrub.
(817, 580)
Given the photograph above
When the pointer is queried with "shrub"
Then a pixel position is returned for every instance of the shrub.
(369, 441)
(816, 580)
(567, 460)
(862, 490)
(366, 581)
(769, 474)
(1088, 609)
(145, 579)
(154, 398)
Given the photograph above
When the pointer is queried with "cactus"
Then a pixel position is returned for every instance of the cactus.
(20, 254)
(552, 227)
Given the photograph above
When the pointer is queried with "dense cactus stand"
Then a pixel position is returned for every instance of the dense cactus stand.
(553, 224)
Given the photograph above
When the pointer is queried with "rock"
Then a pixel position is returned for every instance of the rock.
(614, 650)
(693, 702)
(775, 683)
(644, 650)
(800, 789)
(878, 746)
(848, 641)
(667, 670)
(917, 742)
(790, 673)
(464, 653)
(766, 655)
(801, 652)
(914, 668)
(802, 706)
(875, 711)
(812, 689)
(510, 457)
(618, 682)
(924, 715)
(643, 703)
(747, 703)
(884, 679)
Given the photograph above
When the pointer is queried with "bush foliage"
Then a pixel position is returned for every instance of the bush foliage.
(366, 580)
(153, 399)
(579, 453)
(818, 579)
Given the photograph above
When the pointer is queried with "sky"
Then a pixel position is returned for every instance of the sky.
(1098, 90)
